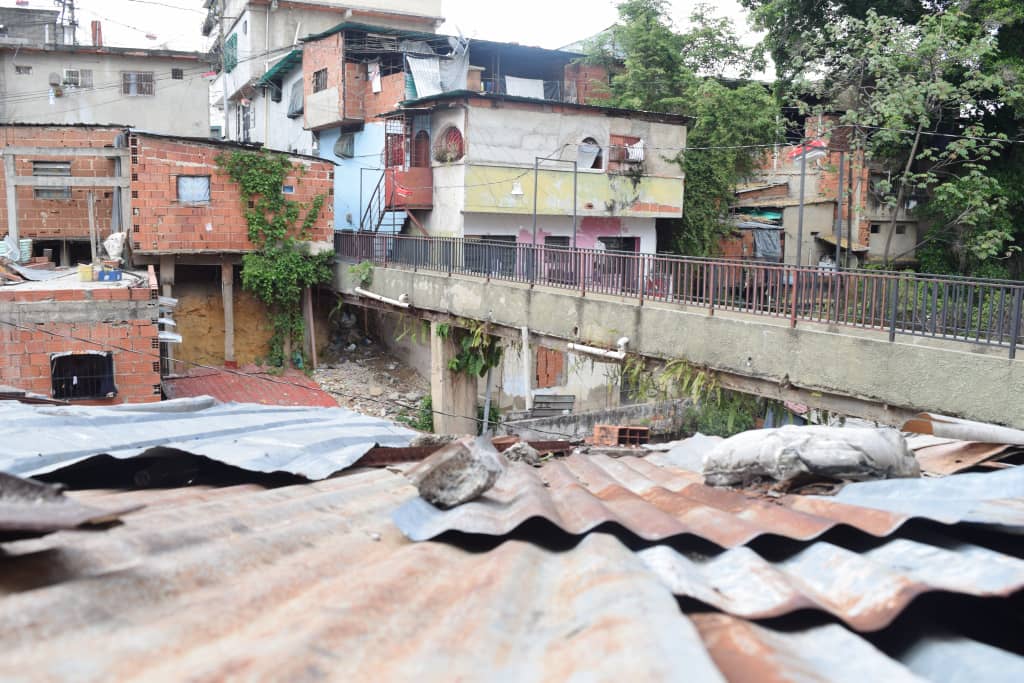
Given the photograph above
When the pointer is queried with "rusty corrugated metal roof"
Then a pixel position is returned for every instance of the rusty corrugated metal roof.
(249, 385)
(313, 581)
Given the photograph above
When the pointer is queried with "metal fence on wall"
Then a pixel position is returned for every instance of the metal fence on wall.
(977, 311)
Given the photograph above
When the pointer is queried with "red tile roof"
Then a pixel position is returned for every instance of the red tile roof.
(250, 384)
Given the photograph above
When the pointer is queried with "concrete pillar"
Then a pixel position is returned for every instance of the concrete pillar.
(227, 293)
(167, 274)
(452, 393)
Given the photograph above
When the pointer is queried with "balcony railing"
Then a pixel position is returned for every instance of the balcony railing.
(986, 312)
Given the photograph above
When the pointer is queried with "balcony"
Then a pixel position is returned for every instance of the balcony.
(411, 188)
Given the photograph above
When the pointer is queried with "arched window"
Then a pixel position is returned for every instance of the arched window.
(450, 146)
(589, 154)
(421, 150)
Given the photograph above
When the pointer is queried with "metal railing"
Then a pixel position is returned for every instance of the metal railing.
(976, 311)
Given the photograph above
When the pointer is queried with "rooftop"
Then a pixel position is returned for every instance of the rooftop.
(588, 568)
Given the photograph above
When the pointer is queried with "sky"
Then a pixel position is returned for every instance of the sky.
(175, 24)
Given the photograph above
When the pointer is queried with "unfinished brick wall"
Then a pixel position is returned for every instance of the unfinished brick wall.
(162, 223)
(325, 53)
(119, 320)
(51, 219)
(591, 83)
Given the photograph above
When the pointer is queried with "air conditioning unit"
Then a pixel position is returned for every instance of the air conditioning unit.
(55, 79)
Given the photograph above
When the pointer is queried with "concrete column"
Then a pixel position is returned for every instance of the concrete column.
(452, 393)
(167, 274)
(227, 293)
(527, 358)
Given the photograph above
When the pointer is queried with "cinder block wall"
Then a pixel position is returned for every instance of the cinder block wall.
(119, 320)
(162, 223)
(59, 218)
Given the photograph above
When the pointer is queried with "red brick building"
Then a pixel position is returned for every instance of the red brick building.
(91, 342)
(183, 217)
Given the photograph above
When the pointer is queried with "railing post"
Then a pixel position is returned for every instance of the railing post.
(581, 276)
(793, 298)
(643, 278)
(894, 298)
(711, 288)
(1015, 322)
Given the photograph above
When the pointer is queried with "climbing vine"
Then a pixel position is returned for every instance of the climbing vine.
(282, 266)
(478, 351)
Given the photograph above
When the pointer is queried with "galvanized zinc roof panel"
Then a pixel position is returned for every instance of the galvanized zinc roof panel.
(310, 442)
(313, 582)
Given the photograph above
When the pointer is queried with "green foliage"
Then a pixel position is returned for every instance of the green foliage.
(676, 379)
(415, 329)
(422, 419)
(281, 267)
(493, 420)
(478, 351)
(731, 414)
(362, 272)
(664, 70)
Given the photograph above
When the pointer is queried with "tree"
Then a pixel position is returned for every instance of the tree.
(918, 99)
(658, 68)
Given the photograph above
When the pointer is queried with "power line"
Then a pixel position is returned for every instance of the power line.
(164, 4)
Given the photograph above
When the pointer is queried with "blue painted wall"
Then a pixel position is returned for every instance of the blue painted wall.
(369, 147)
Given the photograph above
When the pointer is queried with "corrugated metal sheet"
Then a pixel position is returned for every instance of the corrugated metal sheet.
(310, 442)
(30, 508)
(312, 582)
(580, 493)
(249, 385)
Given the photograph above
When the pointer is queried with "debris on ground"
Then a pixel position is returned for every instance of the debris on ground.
(368, 380)
(458, 473)
(791, 452)
(524, 453)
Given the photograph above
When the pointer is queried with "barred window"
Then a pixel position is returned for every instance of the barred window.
(137, 83)
(231, 53)
(177, 74)
(78, 78)
(320, 80)
(82, 375)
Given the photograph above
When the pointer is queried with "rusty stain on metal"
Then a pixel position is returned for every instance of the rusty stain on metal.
(30, 508)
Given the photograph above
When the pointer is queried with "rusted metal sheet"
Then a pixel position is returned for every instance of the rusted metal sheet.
(866, 589)
(579, 493)
(313, 582)
(30, 508)
(956, 456)
(747, 652)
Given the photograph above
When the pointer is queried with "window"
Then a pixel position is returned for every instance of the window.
(288, 189)
(231, 53)
(875, 228)
(78, 78)
(901, 229)
(345, 147)
(23, 70)
(295, 101)
(320, 80)
(82, 375)
(624, 151)
(177, 74)
(194, 189)
(137, 83)
(394, 143)
(275, 92)
(450, 146)
(588, 154)
(420, 157)
(245, 27)
(50, 169)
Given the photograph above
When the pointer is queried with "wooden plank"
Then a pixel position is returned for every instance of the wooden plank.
(106, 152)
(91, 206)
(12, 196)
(68, 181)
(227, 285)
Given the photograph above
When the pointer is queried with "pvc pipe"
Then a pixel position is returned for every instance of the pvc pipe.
(594, 351)
(377, 297)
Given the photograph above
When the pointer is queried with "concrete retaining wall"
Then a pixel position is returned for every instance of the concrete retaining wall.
(912, 374)
(664, 418)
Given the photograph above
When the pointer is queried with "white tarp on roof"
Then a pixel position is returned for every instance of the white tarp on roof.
(426, 73)
(524, 87)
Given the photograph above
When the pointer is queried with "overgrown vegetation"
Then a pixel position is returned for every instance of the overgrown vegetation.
(363, 272)
(478, 351)
(715, 411)
(422, 419)
(685, 73)
(282, 266)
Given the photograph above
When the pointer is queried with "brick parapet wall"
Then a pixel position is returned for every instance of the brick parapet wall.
(120, 320)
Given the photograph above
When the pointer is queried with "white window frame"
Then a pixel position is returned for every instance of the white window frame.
(130, 81)
(196, 195)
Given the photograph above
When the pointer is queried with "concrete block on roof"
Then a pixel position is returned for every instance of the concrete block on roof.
(458, 473)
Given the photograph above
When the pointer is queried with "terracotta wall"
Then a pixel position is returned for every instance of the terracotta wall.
(59, 218)
(162, 223)
(25, 354)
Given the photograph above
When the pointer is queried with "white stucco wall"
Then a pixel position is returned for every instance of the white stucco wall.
(177, 107)
(276, 130)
